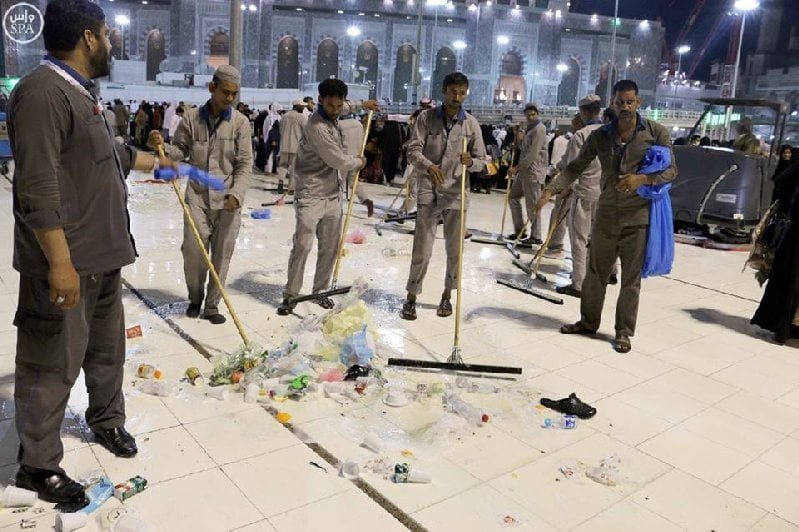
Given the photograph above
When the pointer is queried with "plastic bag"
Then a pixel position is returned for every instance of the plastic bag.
(356, 237)
(660, 233)
(262, 214)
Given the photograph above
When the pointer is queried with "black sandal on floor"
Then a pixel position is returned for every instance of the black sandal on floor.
(571, 406)
(408, 310)
(622, 344)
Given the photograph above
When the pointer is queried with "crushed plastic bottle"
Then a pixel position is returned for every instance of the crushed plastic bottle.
(607, 471)
(562, 422)
(472, 414)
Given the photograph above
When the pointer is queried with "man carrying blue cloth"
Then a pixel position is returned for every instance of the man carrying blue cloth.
(622, 217)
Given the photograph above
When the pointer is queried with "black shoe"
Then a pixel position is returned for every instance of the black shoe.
(444, 308)
(534, 241)
(285, 308)
(216, 318)
(370, 208)
(408, 310)
(613, 279)
(513, 236)
(576, 328)
(568, 290)
(193, 311)
(51, 486)
(571, 406)
(622, 344)
(118, 441)
(326, 303)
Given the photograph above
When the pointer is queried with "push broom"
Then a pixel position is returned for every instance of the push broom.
(334, 289)
(206, 257)
(499, 239)
(455, 361)
(533, 266)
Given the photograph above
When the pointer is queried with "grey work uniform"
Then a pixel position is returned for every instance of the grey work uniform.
(291, 126)
(582, 203)
(438, 140)
(529, 180)
(69, 173)
(321, 160)
(559, 146)
(352, 132)
(621, 220)
(220, 146)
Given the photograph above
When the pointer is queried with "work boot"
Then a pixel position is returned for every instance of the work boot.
(285, 308)
(444, 308)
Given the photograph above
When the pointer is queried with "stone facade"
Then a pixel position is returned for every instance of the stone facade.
(537, 39)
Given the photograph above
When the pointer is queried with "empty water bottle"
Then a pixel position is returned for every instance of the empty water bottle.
(470, 413)
(562, 422)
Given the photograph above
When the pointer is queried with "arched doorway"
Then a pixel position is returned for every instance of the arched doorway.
(569, 84)
(115, 36)
(512, 87)
(327, 60)
(366, 67)
(156, 53)
(288, 63)
(218, 49)
(403, 72)
(602, 85)
(446, 63)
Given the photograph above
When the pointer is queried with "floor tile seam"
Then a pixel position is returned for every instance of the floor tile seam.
(720, 406)
(792, 390)
(245, 495)
(672, 426)
(764, 453)
(615, 369)
(256, 456)
(675, 279)
(763, 375)
(756, 505)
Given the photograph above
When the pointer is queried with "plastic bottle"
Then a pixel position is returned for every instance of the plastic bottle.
(561, 422)
(470, 413)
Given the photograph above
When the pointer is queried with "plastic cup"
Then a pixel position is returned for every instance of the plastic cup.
(252, 392)
(419, 477)
(350, 470)
(15, 497)
(69, 522)
(373, 442)
(217, 392)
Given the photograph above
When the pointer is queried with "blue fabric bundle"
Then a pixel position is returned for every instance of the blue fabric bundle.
(660, 233)
(193, 173)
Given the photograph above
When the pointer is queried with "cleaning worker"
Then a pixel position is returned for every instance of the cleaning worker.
(622, 216)
(435, 150)
(291, 126)
(529, 176)
(321, 161)
(216, 139)
(71, 238)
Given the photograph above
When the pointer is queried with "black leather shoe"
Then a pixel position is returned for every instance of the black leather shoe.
(613, 279)
(216, 318)
(51, 486)
(193, 311)
(118, 441)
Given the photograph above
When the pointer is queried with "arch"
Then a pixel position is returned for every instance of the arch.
(156, 52)
(366, 66)
(569, 83)
(446, 63)
(288, 63)
(511, 64)
(219, 44)
(602, 83)
(403, 72)
(327, 59)
(115, 36)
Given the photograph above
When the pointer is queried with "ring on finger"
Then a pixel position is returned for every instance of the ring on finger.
(60, 300)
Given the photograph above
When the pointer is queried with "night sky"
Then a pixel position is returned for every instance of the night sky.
(673, 14)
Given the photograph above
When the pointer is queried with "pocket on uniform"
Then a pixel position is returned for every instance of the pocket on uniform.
(99, 139)
(39, 340)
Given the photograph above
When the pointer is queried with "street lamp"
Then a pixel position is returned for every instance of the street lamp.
(562, 68)
(502, 40)
(122, 21)
(459, 45)
(353, 31)
(683, 49)
(743, 7)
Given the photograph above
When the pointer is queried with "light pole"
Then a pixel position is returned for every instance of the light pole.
(612, 66)
(122, 21)
(683, 49)
(742, 7)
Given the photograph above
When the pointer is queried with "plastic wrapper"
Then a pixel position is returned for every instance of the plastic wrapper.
(242, 360)
(607, 471)
(262, 214)
(356, 350)
(356, 237)
(158, 388)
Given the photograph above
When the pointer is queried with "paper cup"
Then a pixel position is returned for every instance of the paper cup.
(217, 392)
(373, 442)
(350, 470)
(14, 497)
(252, 392)
(419, 477)
(69, 522)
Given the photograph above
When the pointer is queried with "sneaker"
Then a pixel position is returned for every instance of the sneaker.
(408, 310)
(285, 308)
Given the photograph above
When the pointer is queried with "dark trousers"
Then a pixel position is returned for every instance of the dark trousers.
(53, 345)
(609, 242)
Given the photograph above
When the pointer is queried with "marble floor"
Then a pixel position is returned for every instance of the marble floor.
(703, 413)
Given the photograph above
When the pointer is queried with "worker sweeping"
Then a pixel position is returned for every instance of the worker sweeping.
(216, 139)
(435, 151)
(529, 176)
(322, 163)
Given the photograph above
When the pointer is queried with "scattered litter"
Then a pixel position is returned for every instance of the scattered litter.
(606, 472)
(332, 375)
(571, 405)
(146, 371)
(219, 393)
(397, 248)
(510, 520)
(27, 523)
(561, 422)
(194, 376)
(356, 237)
(473, 415)
(318, 466)
(567, 472)
(283, 417)
(262, 214)
(356, 371)
(396, 398)
(99, 492)
(403, 473)
(14, 497)
(407, 453)
(157, 388)
(252, 393)
(242, 360)
(350, 470)
(131, 523)
(355, 350)
(133, 332)
(69, 522)
(373, 442)
(125, 490)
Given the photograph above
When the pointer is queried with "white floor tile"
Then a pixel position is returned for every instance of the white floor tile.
(769, 488)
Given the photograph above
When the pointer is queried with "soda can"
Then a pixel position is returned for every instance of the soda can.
(145, 371)
(192, 374)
